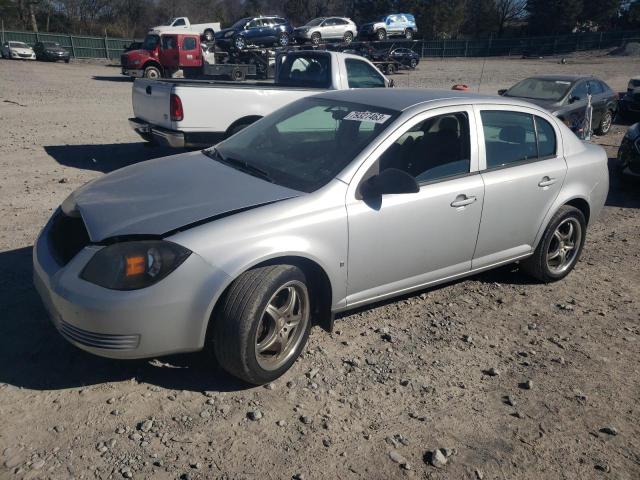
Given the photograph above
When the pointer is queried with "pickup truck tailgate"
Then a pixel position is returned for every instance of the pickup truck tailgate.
(151, 101)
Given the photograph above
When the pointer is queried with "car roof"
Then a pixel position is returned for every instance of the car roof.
(565, 78)
(401, 99)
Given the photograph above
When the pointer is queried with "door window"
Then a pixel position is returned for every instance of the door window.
(513, 138)
(363, 75)
(189, 43)
(580, 91)
(179, 23)
(169, 43)
(254, 24)
(435, 149)
(596, 87)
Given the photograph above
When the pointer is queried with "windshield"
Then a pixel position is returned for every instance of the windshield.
(314, 22)
(18, 45)
(150, 42)
(240, 23)
(540, 89)
(306, 144)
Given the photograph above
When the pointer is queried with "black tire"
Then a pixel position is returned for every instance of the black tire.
(390, 69)
(408, 34)
(152, 72)
(605, 123)
(234, 333)
(237, 75)
(537, 265)
(283, 39)
(239, 42)
(348, 38)
(316, 38)
(67, 60)
(381, 34)
(413, 63)
(208, 35)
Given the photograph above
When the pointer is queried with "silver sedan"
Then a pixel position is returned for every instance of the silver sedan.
(330, 203)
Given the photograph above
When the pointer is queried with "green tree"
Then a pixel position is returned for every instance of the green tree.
(553, 16)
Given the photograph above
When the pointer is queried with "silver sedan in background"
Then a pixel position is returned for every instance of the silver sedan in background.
(332, 202)
(327, 28)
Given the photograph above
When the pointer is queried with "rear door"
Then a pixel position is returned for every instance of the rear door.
(169, 53)
(190, 55)
(523, 170)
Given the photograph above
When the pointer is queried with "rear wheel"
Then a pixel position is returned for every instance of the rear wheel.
(316, 38)
(381, 34)
(348, 37)
(263, 323)
(391, 69)
(408, 34)
(152, 73)
(605, 123)
(208, 35)
(239, 42)
(413, 63)
(560, 247)
(283, 39)
(237, 75)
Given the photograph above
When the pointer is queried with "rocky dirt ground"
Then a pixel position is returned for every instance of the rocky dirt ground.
(494, 377)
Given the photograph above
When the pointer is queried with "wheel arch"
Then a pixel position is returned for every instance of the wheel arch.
(246, 120)
(577, 201)
(319, 284)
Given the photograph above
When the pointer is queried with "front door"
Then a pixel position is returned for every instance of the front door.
(169, 56)
(523, 170)
(402, 241)
(190, 55)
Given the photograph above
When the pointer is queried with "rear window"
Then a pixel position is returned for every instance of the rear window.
(189, 43)
(306, 71)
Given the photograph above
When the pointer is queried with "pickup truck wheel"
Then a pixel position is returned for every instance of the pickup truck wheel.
(239, 42)
(316, 38)
(560, 246)
(408, 34)
(381, 34)
(348, 38)
(605, 123)
(283, 39)
(208, 35)
(152, 73)
(262, 323)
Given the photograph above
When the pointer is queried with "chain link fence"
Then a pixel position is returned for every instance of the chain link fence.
(111, 48)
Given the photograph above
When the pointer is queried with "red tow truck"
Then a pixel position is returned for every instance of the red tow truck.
(171, 54)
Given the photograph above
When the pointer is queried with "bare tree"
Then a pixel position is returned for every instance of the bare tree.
(508, 11)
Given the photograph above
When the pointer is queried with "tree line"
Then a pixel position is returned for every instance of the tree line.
(437, 19)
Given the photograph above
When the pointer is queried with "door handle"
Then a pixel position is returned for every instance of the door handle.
(546, 182)
(463, 201)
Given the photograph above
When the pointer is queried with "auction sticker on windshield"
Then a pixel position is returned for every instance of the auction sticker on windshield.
(372, 117)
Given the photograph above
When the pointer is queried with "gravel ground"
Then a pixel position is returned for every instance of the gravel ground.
(493, 377)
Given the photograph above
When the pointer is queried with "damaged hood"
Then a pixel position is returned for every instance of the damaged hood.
(158, 196)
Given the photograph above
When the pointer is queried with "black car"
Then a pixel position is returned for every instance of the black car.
(630, 102)
(565, 96)
(405, 56)
(629, 153)
(266, 30)
(51, 52)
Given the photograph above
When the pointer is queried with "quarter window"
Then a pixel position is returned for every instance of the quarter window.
(363, 75)
(546, 138)
(432, 150)
(580, 91)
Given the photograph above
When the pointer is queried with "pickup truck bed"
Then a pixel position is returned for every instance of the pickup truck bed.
(197, 113)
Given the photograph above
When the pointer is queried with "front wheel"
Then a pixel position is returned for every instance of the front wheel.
(413, 63)
(408, 34)
(283, 39)
(381, 34)
(605, 123)
(152, 73)
(348, 38)
(263, 323)
(316, 38)
(560, 246)
(391, 69)
(239, 42)
(208, 35)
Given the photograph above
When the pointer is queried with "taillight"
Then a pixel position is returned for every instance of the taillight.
(177, 113)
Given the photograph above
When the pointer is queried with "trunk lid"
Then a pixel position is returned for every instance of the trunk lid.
(151, 100)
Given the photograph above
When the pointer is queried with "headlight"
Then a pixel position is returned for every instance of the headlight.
(134, 265)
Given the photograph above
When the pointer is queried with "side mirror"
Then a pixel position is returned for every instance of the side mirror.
(389, 181)
(502, 91)
(573, 99)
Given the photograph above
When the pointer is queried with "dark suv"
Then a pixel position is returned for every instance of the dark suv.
(51, 52)
(256, 31)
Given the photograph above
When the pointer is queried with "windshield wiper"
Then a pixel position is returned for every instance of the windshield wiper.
(238, 164)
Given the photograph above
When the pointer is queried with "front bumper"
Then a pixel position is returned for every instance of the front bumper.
(168, 317)
(23, 56)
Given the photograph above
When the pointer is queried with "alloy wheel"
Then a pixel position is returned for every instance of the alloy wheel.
(282, 326)
(283, 40)
(605, 124)
(564, 245)
(239, 42)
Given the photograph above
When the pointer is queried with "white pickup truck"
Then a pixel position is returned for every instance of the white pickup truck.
(207, 30)
(201, 113)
